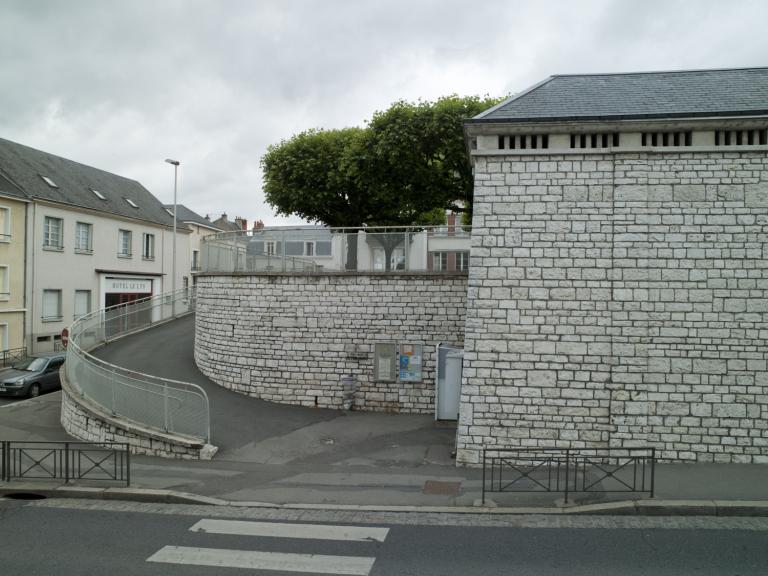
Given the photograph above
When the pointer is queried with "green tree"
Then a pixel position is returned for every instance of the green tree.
(406, 167)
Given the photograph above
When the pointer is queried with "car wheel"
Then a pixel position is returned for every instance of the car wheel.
(34, 390)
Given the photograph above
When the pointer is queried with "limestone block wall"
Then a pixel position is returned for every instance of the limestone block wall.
(291, 338)
(619, 300)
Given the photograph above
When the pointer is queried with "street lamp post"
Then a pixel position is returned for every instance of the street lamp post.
(173, 259)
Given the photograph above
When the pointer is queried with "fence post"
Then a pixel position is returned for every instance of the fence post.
(567, 472)
(127, 464)
(482, 498)
(66, 462)
(165, 405)
(653, 471)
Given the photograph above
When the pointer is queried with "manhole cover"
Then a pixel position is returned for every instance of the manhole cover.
(441, 488)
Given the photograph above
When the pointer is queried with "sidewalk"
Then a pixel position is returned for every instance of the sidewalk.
(370, 460)
(292, 455)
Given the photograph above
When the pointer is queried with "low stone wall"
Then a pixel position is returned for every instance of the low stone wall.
(292, 338)
(88, 422)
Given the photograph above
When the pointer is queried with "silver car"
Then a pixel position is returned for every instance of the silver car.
(32, 376)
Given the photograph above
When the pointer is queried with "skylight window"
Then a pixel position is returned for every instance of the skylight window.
(131, 202)
(99, 195)
(169, 212)
(48, 181)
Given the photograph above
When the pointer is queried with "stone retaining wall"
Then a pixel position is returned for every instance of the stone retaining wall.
(619, 300)
(292, 338)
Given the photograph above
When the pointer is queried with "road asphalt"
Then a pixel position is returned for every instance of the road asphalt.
(289, 455)
(71, 537)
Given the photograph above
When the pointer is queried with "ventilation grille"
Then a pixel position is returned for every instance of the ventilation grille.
(524, 142)
(673, 139)
(597, 140)
(741, 137)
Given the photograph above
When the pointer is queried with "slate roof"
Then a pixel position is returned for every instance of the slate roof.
(184, 214)
(23, 166)
(651, 95)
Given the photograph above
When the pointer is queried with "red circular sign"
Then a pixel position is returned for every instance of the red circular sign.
(65, 338)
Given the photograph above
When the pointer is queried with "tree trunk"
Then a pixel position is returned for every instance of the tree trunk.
(351, 260)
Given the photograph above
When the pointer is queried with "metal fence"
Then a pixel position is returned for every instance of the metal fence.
(8, 357)
(159, 403)
(313, 249)
(68, 461)
(569, 471)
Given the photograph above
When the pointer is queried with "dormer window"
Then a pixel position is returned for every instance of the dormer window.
(131, 202)
(48, 181)
(98, 194)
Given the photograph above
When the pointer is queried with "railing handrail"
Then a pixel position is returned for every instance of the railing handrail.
(446, 229)
(156, 385)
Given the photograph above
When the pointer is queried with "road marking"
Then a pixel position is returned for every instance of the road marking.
(278, 530)
(317, 563)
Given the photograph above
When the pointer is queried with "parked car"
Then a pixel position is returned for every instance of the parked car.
(32, 376)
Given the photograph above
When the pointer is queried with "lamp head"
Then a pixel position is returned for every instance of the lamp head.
(174, 162)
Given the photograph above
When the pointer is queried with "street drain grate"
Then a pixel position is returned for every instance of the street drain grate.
(441, 488)
(24, 496)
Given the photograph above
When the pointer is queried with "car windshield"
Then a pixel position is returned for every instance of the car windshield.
(31, 364)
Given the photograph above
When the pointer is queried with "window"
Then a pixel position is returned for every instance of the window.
(53, 229)
(51, 305)
(385, 365)
(124, 240)
(462, 261)
(269, 248)
(195, 259)
(440, 261)
(83, 238)
(131, 202)
(5, 224)
(309, 248)
(82, 303)
(98, 194)
(48, 181)
(5, 291)
(148, 247)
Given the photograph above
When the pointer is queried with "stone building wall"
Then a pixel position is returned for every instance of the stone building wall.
(291, 338)
(619, 300)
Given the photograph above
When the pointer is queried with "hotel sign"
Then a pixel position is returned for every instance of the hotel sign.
(128, 286)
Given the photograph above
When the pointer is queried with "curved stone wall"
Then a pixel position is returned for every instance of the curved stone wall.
(292, 338)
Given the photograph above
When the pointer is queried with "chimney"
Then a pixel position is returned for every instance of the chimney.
(242, 223)
(224, 216)
(258, 225)
(451, 219)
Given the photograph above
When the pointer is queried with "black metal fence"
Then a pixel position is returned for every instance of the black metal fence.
(569, 471)
(8, 357)
(67, 461)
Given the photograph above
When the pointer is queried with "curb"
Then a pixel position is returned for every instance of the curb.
(655, 507)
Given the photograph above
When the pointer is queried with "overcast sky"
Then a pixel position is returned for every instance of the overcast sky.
(123, 84)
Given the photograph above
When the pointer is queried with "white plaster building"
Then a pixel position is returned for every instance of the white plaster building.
(93, 239)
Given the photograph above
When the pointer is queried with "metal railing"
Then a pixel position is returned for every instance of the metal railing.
(314, 249)
(159, 403)
(569, 471)
(8, 357)
(68, 461)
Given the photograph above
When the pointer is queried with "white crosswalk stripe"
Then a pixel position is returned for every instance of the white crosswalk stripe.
(278, 530)
(316, 563)
(280, 561)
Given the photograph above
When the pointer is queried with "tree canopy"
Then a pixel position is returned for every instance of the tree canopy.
(406, 166)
